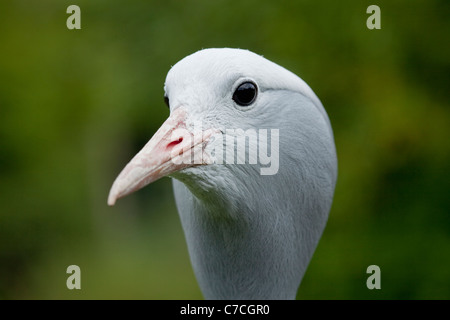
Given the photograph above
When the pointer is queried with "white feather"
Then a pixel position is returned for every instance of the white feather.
(252, 236)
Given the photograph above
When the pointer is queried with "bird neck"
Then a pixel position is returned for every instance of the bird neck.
(240, 248)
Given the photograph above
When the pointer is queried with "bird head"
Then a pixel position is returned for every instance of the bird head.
(215, 97)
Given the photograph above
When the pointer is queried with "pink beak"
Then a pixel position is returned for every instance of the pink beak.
(168, 151)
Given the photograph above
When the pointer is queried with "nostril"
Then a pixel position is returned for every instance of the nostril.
(174, 143)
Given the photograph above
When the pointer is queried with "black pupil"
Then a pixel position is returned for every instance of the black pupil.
(245, 94)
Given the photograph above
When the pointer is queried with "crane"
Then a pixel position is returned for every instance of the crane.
(252, 216)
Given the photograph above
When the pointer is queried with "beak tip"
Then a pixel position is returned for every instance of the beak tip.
(111, 200)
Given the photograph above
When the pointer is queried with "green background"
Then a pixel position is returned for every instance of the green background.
(76, 105)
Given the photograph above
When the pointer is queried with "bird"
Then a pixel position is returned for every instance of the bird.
(250, 233)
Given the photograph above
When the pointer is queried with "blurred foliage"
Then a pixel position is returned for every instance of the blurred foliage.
(76, 105)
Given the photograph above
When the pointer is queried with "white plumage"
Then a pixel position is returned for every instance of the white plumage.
(250, 236)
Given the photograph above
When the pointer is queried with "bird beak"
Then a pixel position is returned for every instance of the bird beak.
(172, 148)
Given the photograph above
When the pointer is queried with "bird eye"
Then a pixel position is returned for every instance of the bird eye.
(166, 101)
(245, 94)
